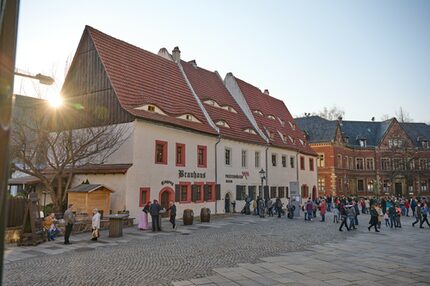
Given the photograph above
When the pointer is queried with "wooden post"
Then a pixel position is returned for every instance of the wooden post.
(8, 35)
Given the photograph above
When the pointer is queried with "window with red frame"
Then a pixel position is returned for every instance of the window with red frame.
(180, 154)
(302, 163)
(201, 156)
(144, 196)
(160, 152)
(311, 164)
(197, 192)
(184, 192)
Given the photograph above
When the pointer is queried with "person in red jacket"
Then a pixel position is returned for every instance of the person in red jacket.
(323, 209)
(407, 206)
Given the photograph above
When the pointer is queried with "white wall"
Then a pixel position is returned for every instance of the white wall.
(145, 173)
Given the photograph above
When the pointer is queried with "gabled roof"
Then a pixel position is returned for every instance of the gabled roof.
(139, 77)
(323, 130)
(371, 131)
(317, 128)
(209, 86)
(87, 188)
(269, 105)
(417, 132)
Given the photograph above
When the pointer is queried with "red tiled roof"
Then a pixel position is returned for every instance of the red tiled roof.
(139, 77)
(209, 86)
(269, 105)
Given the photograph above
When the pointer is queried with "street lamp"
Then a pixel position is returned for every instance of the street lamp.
(262, 177)
(43, 79)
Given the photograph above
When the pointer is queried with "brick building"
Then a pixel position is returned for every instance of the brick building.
(368, 158)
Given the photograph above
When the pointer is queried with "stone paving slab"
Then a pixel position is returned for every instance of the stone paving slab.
(364, 259)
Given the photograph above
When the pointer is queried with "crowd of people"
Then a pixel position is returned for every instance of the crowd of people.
(347, 209)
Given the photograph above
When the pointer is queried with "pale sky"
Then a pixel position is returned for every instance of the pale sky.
(366, 57)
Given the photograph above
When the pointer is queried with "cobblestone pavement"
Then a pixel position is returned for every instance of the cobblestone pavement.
(229, 247)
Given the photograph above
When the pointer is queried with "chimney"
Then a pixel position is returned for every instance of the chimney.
(266, 91)
(193, 63)
(176, 54)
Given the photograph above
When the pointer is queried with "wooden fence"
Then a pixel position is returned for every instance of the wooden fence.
(15, 211)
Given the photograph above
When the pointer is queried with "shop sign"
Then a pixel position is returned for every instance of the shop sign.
(183, 174)
(164, 182)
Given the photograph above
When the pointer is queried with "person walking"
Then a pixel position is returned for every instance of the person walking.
(350, 212)
(69, 219)
(342, 212)
(309, 209)
(269, 204)
(323, 209)
(418, 215)
(336, 213)
(373, 218)
(413, 206)
(172, 213)
(278, 206)
(154, 210)
(95, 222)
(425, 213)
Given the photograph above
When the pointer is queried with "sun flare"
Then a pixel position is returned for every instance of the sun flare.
(55, 101)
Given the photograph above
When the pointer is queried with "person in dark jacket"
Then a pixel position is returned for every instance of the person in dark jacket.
(373, 218)
(343, 218)
(418, 215)
(172, 210)
(154, 210)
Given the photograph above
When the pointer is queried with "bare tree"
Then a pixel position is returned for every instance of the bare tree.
(403, 116)
(331, 113)
(43, 147)
(385, 117)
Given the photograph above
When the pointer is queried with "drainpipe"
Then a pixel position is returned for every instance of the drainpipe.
(267, 168)
(297, 175)
(216, 169)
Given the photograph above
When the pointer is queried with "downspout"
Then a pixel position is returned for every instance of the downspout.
(267, 168)
(216, 169)
(297, 172)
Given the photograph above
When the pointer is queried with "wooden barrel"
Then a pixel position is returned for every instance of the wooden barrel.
(205, 215)
(188, 217)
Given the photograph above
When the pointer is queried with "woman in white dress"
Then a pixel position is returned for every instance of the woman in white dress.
(143, 218)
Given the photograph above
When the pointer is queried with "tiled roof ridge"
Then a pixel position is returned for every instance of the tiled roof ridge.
(259, 90)
(92, 29)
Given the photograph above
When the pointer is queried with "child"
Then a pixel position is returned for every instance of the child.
(336, 215)
(387, 219)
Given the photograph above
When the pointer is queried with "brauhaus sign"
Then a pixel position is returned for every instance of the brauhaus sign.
(183, 174)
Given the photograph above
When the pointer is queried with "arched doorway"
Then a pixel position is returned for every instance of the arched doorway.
(314, 193)
(227, 202)
(166, 195)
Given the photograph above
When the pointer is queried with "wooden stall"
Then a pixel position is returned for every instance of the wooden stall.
(87, 197)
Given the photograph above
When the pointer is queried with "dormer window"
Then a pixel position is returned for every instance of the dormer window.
(150, 108)
(212, 103)
(292, 125)
(189, 117)
(291, 139)
(283, 137)
(271, 117)
(281, 121)
(271, 136)
(301, 141)
(363, 142)
(222, 123)
(229, 108)
(346, 138)
(250, 131)
(258, 112)
(425, 144)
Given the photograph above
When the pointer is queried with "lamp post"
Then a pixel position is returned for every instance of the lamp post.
(43, 79)
(262, 177)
